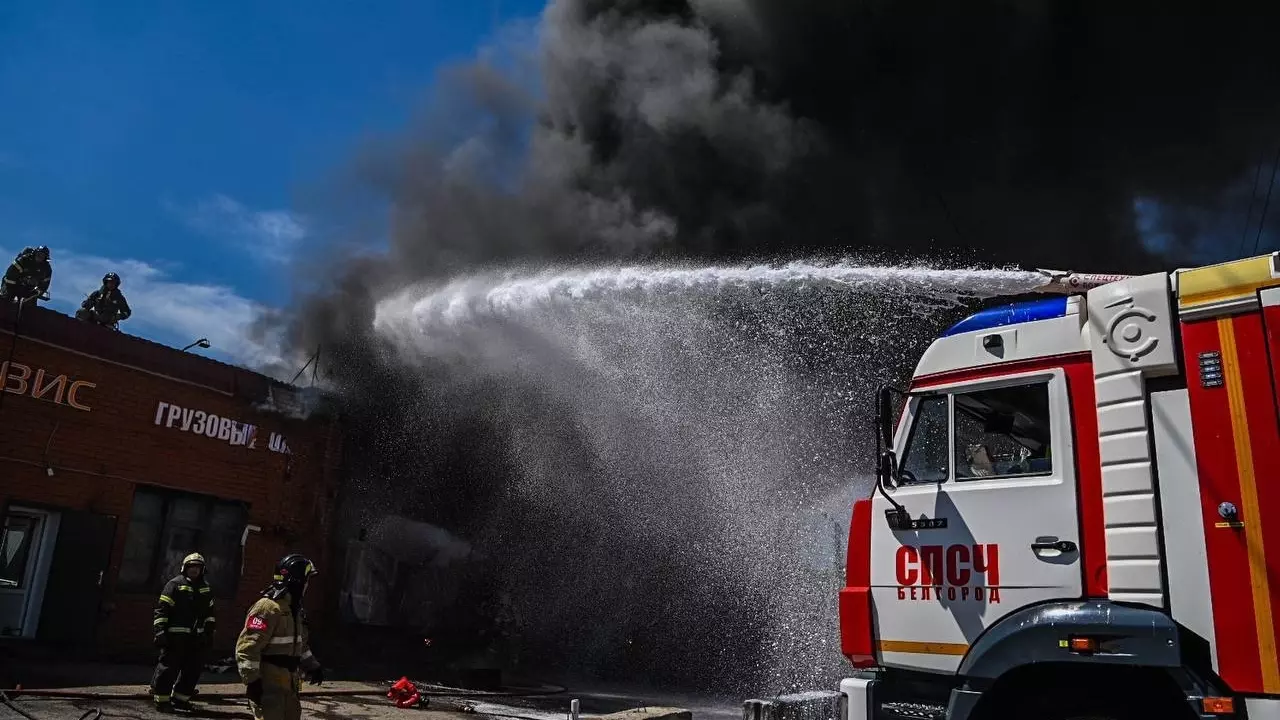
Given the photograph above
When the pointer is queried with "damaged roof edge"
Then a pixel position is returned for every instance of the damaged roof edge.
(39, 324)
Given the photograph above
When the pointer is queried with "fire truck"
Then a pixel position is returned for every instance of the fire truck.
(1074, 502)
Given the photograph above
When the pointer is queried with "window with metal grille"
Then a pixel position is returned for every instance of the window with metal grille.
(165, 526)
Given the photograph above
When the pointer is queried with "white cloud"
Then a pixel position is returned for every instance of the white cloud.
(165, 309)
(270, 234)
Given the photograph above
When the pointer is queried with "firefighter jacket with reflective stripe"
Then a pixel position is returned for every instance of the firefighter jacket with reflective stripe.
(30, 273)
(185, 606)
(275, 635)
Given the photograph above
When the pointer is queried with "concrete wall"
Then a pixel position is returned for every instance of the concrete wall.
(103, 441)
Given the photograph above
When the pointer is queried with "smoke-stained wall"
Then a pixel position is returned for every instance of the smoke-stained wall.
(634, 464)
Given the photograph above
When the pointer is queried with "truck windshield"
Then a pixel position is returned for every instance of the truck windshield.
(927, 454)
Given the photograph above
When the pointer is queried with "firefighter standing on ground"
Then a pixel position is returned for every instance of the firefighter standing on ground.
(28, 277)
(273, 651)
(105, 306)
(184, 626)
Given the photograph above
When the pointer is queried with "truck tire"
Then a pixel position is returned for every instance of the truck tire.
(1085, 705)
(1085, 702)
(1066, 692)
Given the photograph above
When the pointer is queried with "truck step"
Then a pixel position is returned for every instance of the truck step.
(912, 711)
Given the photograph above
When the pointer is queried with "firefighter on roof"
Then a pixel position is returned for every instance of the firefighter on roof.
(28, 277)
(183, 631)
(105, 306)
(273, 652)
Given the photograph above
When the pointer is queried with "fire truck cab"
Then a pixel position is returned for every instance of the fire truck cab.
(1073, 511)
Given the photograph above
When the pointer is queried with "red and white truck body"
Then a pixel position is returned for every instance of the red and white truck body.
(1074, 510)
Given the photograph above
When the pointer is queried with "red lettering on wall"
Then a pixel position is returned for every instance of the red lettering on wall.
(16, 379)
(41, 389)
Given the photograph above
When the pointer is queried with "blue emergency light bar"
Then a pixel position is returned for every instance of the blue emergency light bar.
(1014, 314)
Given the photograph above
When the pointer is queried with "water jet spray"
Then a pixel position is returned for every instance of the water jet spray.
(674, 429)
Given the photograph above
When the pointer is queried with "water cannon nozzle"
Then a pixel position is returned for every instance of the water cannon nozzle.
(1068, 282)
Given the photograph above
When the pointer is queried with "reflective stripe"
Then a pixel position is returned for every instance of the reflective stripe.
(307, 655)
(186, 588)
(166, 599)
(162, 698)
(206, 589)
(284, 640)
(250, 664)
(161, 621)
(179, 630)
(180, 697)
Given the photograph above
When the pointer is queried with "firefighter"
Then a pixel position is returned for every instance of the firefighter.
(273, 650)
(28, 277)
(979, 459)
(184, 625)
(105, 306)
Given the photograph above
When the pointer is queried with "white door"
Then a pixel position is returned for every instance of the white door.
(989, 482)
(26, 541)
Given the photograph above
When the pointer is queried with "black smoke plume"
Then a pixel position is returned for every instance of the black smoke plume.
(1024, 132)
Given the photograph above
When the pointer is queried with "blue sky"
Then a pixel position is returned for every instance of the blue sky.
(170, 141)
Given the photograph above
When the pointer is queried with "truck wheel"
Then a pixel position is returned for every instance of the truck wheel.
(1074, 693)
(1098, 707)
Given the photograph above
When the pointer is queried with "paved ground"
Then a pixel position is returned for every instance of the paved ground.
(321, 708)
(120, 692)
(318, 707)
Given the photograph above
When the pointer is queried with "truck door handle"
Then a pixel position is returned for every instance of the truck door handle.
(1062, 546)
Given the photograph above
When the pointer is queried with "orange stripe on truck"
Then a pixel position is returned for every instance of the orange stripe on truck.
(923, 648)
(1243, 355)
(1235, 630)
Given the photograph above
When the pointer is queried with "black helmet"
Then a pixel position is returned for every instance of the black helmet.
(110, 278)
(41, 252)
(293, 571)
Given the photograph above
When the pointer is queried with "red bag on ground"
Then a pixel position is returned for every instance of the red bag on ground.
(404, 694)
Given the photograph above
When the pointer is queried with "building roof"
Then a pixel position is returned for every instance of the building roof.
(53, 328)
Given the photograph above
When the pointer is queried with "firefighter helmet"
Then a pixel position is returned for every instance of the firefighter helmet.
(192, 559)
(294, 570)
(110, 278)
(41, 252)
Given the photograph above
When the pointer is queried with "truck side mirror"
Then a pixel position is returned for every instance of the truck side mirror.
(898, 518)
(886, 461)
(884, 404)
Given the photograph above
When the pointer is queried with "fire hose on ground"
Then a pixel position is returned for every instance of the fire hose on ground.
(424, 690)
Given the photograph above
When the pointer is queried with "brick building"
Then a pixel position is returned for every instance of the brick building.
(118, 456)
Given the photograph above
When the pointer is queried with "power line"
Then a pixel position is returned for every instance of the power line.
(1253, 198)
(1267, 203)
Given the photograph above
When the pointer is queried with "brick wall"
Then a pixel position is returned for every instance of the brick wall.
(100, 454)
